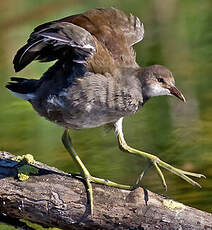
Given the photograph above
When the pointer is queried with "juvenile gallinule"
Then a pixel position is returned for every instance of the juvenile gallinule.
(95, 80)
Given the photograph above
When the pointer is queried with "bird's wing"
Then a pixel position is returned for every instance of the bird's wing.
(114, 30)
(102, 37)
(102, 22)
(56, 40)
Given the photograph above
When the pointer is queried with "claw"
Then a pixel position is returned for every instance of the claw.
(193, 174)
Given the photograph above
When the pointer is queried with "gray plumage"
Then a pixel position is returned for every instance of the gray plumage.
(96, 79)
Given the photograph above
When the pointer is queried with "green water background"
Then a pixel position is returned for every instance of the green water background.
(178, 35)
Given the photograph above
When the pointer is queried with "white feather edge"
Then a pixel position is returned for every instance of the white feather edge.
(24, 96)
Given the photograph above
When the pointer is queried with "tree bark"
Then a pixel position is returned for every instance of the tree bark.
(56, 199)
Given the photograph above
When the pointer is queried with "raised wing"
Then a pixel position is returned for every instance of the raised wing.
(107, 33)
(99, 21)
(56, 40)
(114, 29)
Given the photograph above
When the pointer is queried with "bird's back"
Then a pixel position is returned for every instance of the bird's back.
(110, 34)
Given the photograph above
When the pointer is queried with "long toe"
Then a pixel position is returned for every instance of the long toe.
(181, 173)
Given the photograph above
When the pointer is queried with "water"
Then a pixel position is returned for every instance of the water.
(178, 37)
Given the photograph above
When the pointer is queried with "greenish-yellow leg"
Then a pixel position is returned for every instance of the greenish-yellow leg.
(155, 161)
(85, 173)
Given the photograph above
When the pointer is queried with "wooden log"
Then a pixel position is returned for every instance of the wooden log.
(53, 198)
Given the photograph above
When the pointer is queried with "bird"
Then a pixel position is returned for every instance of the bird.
(94, 81)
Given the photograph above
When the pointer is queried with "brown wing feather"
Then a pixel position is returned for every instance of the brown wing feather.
(96, 20)
(113, 29)
(104, 37)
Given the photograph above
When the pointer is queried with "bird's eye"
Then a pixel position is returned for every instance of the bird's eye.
(160, 80)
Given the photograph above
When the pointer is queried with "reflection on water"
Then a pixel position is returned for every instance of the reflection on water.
(177, 36)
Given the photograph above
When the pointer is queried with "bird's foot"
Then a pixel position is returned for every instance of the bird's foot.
(154, 160)
(179, 172)
(86, 175)
(108, 183)
(157, 163)
(90, 179)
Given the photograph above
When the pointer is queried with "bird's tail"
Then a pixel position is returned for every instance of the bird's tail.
(23, 88)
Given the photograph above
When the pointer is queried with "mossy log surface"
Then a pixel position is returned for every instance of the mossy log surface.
(53, 198)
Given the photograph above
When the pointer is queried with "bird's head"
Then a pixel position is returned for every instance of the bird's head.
(157, 81)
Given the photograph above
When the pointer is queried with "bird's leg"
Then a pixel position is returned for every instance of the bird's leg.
(66, 139)
(155, 161)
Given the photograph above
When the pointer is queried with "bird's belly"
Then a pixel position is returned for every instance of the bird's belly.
(74, 115)
(88, 120)
(89, 102)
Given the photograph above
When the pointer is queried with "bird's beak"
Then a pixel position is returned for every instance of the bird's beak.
(176, 92)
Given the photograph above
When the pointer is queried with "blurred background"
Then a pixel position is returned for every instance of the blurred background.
(178, 35)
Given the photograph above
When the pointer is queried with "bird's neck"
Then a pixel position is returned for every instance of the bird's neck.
(140, 74)
(131, 77)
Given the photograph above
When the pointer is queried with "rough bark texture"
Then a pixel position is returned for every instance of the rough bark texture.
(55, 199)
